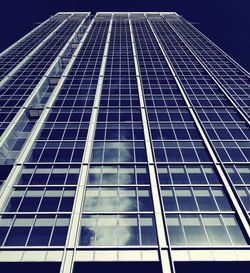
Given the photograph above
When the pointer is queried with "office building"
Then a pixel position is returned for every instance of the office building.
(124, 146)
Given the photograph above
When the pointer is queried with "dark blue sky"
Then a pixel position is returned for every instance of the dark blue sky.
(226, 22)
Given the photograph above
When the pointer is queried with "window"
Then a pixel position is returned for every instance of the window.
(118, 175)
(34, 230)
(187, 174)
(117, 230)
(108, 199)
(50, 199)
(119, 152)
(204, 229)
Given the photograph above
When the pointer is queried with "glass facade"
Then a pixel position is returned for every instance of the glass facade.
(124, 143)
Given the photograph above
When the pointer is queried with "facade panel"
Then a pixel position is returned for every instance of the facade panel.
(124, 146)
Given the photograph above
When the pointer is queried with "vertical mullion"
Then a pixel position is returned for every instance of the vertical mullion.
(31, 54)
(74, 228)
(11, 126)
(217, 164)
(6, 51)
(166, 262)
(218, 48)
(36, 129)
(230, 98)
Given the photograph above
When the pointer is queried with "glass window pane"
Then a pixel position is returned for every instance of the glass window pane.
(175, 230)
(216, 231)
(194, 230)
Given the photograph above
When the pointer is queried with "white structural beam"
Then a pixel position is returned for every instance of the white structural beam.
(32, 53)
(166, 263)
(218, 48)
(205, 139)
(213, 77)
(74, 227)
(41, 83)
(27, 35)
(7, 186)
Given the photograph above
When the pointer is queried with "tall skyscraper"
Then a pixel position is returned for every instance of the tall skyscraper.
(124, 147)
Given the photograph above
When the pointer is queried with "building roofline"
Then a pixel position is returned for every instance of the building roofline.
(73, 12)
(136, 12)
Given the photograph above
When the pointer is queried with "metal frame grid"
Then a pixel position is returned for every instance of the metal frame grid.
(29, 98)
(11, 57)
(233, 79)
(141, 152)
